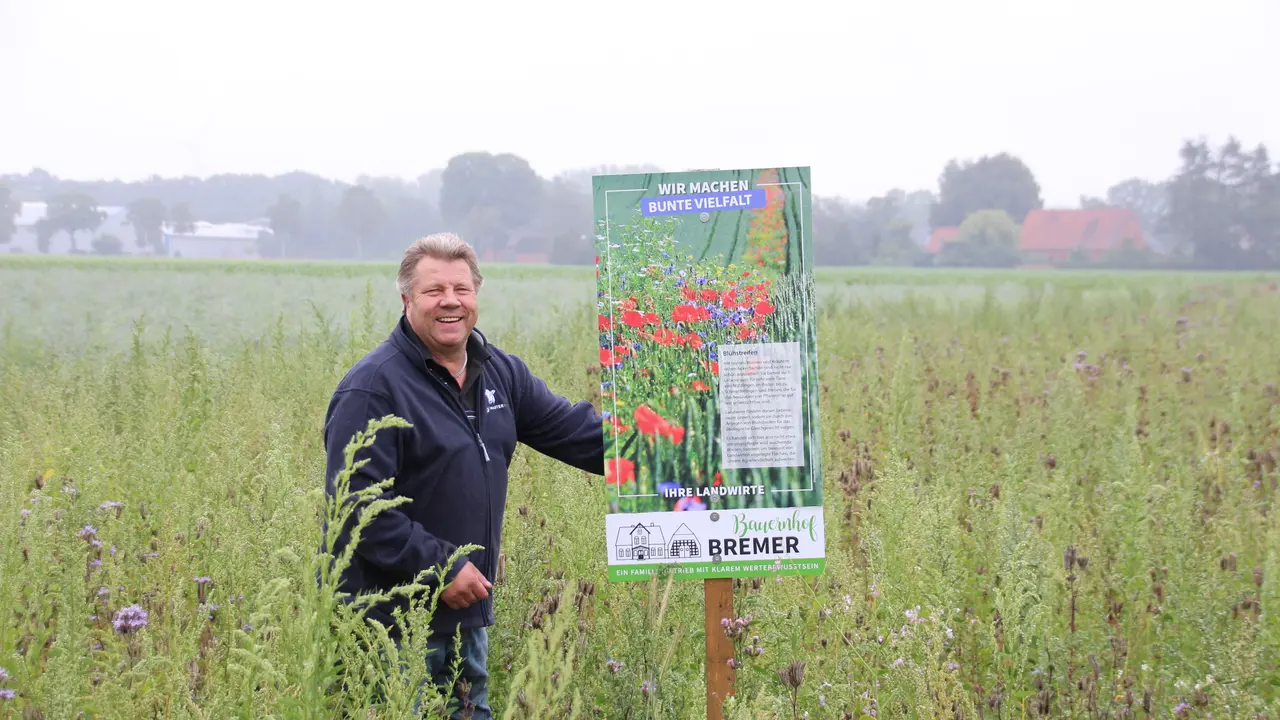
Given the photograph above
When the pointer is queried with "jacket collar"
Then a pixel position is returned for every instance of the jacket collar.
(408, 342)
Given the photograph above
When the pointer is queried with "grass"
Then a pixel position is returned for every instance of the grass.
(1048, 494)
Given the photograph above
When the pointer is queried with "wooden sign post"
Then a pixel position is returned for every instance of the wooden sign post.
(708, 346)
(720, 676)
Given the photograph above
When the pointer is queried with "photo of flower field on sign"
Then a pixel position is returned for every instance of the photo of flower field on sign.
(673, 292)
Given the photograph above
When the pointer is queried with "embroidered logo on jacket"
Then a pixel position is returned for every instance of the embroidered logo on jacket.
(492, 397)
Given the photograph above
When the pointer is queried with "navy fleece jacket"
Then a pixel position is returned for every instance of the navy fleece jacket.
(453, 471)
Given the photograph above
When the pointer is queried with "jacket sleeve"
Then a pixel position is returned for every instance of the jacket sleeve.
(394, 543)
(572, 433)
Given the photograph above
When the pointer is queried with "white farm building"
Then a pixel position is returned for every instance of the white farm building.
(209, 240)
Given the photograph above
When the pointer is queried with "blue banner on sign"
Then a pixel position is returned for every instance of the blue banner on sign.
(711, 202)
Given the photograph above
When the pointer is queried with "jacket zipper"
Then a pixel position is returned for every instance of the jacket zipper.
(490, 569)
(482, 409)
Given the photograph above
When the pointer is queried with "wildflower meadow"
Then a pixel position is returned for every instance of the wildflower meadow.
(1048, 494)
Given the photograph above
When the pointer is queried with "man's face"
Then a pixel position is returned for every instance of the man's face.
(441, 307)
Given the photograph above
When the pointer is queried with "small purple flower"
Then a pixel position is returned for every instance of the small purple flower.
(4, 674)
(7, 694)
(88, 532)
(95, 564)
(26, 513)
(130, 618)
(111, 505)
(200, 587)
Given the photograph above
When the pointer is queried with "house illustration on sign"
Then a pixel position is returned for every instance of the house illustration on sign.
(684, 544)
(640, 542)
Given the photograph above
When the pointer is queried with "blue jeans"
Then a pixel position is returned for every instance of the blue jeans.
(474, 671)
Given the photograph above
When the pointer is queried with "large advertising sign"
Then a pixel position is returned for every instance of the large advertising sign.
(709, 383)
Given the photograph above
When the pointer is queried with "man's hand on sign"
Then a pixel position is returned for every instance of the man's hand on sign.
(468, 586)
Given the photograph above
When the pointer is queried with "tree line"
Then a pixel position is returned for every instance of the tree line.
(1220, 210)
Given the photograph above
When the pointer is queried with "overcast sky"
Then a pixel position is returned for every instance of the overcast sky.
(872, 94)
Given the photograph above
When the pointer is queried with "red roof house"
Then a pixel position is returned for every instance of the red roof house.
(1053, 235)
(940, 237)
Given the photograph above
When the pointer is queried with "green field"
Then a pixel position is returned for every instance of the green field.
(1047, 494)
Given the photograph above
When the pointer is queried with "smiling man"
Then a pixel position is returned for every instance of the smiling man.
(469, 403)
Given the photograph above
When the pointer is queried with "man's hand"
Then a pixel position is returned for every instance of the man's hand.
(468, 587)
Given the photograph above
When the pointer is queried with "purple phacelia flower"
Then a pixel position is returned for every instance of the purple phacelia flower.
(7, 694)
(130, 618)
(88, 532)
(200, 587)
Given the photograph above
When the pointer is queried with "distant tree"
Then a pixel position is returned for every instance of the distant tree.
(46, 228)
(835, 223)
(913, 208)
(485, 229)
(107, 244)
(999, 182)
(9, 209)
(286, 225)
(181, 218)
(361, 214)
(1224, 207)
(428, 186)
(566, 217)
(72, 213)
(986, 238)
(1148, 200)
(878, 232)
(147, 218)
(409, 216)
(897, 246)
(504, 183)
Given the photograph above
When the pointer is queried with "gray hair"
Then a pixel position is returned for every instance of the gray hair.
(442, 246)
